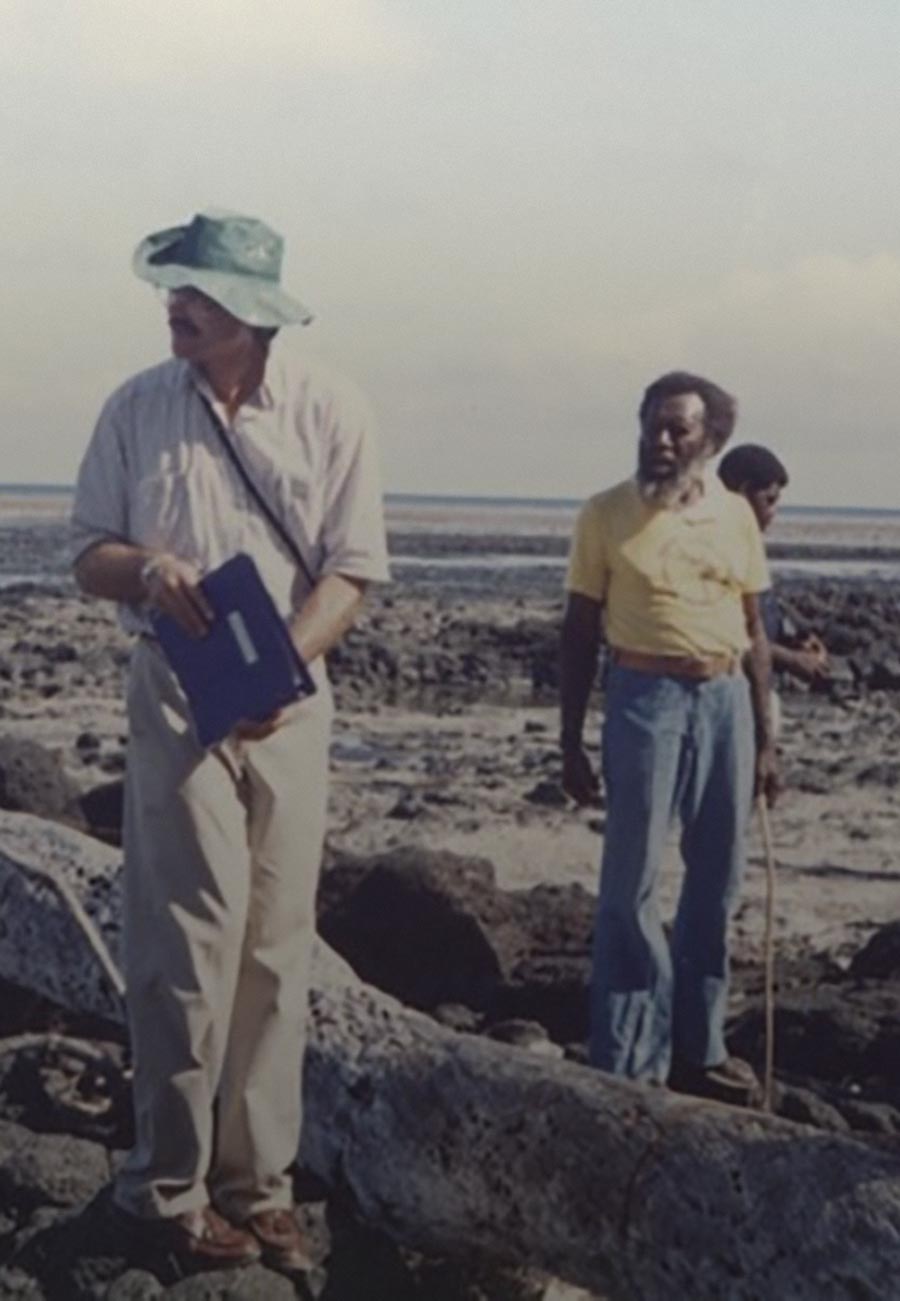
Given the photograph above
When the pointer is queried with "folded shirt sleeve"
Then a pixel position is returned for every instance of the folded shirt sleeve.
(588, 570)
(100, 507)
(353, 533)
(756, 578)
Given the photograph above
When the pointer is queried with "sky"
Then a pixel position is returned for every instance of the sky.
(508, 216)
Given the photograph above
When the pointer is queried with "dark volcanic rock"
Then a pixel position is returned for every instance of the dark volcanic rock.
(135, 1285)
(869, 1117)
(61, 1085)
(16, 1285)
(432, 928)
(413, 926)
(551, 989)
(884, 673)
(406, 808)
(858, 620)
(96, 1253)
(102, 810)
(808, 1108)
(879, 959)
(368, 1266)
(32, 780)
(464, 657)
(548, 794)
(841, 1035)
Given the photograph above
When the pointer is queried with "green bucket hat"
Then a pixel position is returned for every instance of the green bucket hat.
(234, 260)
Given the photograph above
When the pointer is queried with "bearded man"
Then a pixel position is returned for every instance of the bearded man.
(672, 564)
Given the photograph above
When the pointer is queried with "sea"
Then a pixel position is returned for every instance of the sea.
(474, 532)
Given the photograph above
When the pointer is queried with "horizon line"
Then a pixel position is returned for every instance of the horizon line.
(481, 498)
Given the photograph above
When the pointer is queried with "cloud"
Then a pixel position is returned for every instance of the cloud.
(161, 42)
(809, 349)
(829, 318)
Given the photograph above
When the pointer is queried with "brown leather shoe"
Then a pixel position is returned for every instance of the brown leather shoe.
(204, 1240)
(279, 1236)
(733, 1081)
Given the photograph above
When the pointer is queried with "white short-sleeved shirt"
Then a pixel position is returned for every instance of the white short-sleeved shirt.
(156, 475)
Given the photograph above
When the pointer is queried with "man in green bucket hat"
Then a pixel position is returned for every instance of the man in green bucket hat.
(223, 844)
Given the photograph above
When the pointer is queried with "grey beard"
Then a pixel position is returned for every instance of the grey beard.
(676, 493)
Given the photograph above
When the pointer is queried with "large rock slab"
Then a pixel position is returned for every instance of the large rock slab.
(461, 1145)
(50, 877)
(452, 1140)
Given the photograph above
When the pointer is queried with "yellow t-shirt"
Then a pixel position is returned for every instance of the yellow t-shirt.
(671, 581)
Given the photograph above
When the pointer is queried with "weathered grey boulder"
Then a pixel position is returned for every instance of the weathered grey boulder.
(47, 1169)
(59, 893)
(458, 1144)
(253, 1284)
(16, 1285)
(33, 780)
(135, 1285)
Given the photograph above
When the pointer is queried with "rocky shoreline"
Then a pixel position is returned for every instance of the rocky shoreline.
(519, 977)
(442, 637)
(448, 822)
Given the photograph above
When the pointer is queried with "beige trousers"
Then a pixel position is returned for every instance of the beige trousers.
(222, 854)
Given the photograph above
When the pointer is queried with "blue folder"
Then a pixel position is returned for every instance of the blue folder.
(246, 666)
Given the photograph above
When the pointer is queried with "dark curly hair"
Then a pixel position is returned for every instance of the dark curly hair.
(720, 408)
(753, 466)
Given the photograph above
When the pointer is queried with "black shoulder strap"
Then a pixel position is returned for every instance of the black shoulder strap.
(254, 491)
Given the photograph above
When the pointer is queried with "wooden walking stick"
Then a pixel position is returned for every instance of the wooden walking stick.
(769, 948)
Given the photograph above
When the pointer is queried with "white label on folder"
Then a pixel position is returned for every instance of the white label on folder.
(242, 637)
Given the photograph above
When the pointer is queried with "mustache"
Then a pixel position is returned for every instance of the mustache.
(182, 323)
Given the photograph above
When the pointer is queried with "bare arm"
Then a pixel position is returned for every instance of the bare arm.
(808, 661)
(329, 611)
(758, 666)
(578, 666)
(114, 570)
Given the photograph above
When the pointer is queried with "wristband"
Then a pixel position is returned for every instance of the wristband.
(150, 566)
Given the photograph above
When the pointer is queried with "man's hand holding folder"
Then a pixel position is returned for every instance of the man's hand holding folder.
(228, 646)
(173, 588)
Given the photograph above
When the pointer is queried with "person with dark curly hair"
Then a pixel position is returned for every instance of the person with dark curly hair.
(757, 474)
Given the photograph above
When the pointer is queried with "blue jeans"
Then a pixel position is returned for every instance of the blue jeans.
(671, 748)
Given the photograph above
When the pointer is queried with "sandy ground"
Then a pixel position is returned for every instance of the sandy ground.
(838, 874)
(461, 781)
(459, 776)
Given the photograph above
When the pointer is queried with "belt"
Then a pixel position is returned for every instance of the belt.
(700, 668)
